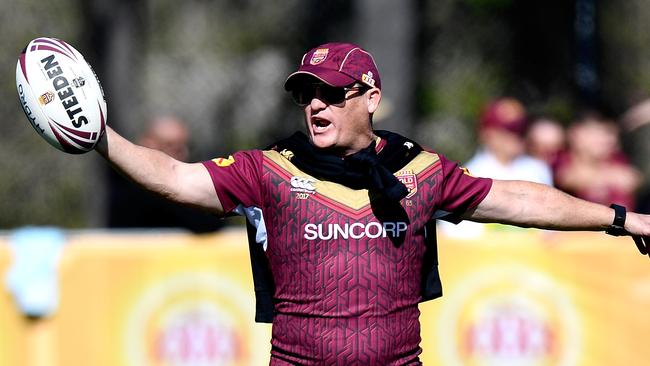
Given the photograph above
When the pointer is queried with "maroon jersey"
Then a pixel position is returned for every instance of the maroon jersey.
(347, 266)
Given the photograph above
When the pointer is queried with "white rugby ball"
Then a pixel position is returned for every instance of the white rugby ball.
(61, 95)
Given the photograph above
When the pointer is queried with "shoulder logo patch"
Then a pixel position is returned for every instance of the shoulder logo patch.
(221, 162)
(466, 171)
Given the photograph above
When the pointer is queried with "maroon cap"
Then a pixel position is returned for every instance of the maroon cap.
(505, 114)
(337, 64)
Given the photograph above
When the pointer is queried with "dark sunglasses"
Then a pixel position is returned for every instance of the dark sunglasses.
(304, 94)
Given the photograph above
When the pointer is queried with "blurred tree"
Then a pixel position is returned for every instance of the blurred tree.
(392, 44)
(114, 32)
(38, 184)
(114, 35)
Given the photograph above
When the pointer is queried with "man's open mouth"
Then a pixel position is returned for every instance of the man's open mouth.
(319, 124)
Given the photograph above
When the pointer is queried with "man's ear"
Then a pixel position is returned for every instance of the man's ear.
(374, 97)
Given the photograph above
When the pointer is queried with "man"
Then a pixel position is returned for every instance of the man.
(594, 147)
(129, 206)
(502, 125)
(343, 216)
(501, 131)
(546, 140)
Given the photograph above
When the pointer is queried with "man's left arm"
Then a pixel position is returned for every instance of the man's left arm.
(528, 204)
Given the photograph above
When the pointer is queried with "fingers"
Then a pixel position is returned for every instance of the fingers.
(641, 243)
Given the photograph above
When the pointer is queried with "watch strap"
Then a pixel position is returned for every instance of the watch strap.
(617, 228)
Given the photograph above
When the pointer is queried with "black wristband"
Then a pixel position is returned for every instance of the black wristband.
(617, 228)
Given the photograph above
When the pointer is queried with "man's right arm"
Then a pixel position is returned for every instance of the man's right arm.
(185, 183)
(529, 204)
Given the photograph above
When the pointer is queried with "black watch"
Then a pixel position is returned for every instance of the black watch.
(617, 228)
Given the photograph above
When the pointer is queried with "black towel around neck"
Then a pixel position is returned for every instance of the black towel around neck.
(363, 169)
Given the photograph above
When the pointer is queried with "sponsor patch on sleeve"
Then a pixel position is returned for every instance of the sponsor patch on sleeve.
(466, 171)
(223, 162)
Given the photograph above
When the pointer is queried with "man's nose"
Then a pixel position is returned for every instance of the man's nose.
(316, 102)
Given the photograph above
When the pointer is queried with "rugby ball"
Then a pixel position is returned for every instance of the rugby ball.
(61, 95)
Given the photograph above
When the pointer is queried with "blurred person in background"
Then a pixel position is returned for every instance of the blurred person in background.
(167, 134)
(594, 167)
(546, 140)
(636, 124)
(343, 244)
(502, 146)
(502, 127)
(130, 206)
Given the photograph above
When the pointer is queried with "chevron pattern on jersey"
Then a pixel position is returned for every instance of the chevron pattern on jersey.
(353, 202)
(347, 268)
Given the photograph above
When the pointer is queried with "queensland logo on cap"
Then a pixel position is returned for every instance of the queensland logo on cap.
(409, 180)
(319, 56)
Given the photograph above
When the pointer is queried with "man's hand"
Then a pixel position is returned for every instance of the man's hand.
(641, 243)
(638, 227)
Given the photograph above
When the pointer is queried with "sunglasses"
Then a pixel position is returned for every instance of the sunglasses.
(304, 94)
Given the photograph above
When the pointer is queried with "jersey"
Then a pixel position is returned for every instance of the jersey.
(347, 265)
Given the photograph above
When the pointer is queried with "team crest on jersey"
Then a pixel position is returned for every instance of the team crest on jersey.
(319, 56)
(409, 180)
(221, 162)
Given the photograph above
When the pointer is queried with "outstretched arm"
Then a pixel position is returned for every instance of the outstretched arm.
(528, 204)
(186, 183)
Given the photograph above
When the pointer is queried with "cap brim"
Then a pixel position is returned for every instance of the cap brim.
(328, 76)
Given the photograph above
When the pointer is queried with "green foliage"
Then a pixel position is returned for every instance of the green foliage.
(38, 184)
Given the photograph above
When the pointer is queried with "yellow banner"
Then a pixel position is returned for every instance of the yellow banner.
(510, 298)
(161, 300)
(539, 298)
(12, 327)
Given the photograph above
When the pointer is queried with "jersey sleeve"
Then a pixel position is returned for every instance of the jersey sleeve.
(237, 179)
(460, 191)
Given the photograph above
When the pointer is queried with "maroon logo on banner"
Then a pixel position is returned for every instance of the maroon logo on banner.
(186, 320)
(510, 333)
(195, 338)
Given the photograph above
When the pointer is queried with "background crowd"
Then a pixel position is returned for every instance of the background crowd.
(450, 69)
(583, 156)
